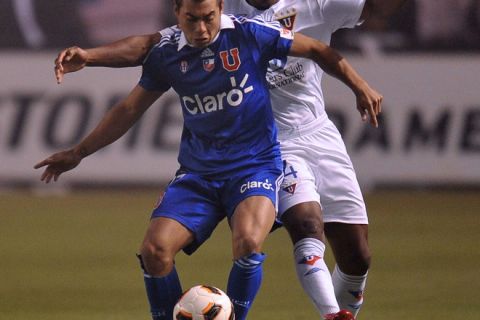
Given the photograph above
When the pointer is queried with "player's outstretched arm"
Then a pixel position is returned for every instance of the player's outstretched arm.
(368, 100)
(381, 8)
(127, 52)
(112, 126)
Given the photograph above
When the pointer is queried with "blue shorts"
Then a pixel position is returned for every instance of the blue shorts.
(199, 203)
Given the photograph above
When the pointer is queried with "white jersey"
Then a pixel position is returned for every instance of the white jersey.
(296, 92)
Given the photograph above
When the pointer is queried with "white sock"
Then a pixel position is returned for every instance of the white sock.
(313, 274)
(349, 290)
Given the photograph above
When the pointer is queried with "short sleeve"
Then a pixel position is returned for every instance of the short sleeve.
(342, 13)
(152, 78)
(272, 39)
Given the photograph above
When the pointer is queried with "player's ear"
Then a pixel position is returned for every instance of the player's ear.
(221, 6)
(175, 6)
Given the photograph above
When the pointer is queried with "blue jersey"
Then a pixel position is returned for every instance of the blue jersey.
(228, 121)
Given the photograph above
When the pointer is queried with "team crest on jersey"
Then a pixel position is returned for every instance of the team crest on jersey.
(184, 66)
(290, 189)
(230, 59)
(208, 64)
(287, 18)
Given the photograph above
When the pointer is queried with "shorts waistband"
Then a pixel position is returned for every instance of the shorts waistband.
(303, 129)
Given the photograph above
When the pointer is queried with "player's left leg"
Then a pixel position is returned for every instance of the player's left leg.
(304, 224)
(344, 216)
(349, 244)
(251, 222)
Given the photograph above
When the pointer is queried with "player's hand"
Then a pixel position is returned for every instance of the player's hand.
(369, 104)
(57, 164)
(69, 60)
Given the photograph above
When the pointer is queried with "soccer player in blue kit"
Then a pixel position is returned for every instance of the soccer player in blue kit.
(229, 156)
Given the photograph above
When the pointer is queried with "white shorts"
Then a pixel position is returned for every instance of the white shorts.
(318, 168)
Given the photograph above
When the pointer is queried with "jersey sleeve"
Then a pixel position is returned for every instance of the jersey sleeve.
(272, 40)
(153, 79)
(342, 13)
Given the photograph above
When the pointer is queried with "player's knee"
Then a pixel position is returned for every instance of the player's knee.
(364, 262)
(244, 245)
(300, 227)
(357, 263)
(157, 260)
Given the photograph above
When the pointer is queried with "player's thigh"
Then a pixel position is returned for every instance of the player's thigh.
(193, 202)
(251, 222)
(167, 235)
(299, 184)
(340, 195)
(349, 243)
(251, 200)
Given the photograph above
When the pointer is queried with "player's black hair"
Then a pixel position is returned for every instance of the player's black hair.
(178, 3)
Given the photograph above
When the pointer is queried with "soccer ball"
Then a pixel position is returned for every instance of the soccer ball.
(204, 303)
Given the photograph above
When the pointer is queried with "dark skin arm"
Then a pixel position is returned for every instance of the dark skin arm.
(368, 100)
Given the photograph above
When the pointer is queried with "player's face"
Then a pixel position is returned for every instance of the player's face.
(199, 21)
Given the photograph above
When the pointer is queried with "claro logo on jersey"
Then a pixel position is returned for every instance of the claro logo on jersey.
(234, 97)
(256, 185)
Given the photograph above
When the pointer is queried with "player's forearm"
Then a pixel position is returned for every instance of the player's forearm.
(117, 121)
(337, 66)
(381, 8)
(127, 52)
(113, 126)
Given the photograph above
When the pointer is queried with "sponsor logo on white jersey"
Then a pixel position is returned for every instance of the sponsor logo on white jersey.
(280, 75)
(233, 97)
(256, 185)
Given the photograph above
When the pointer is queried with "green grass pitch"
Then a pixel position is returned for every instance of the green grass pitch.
(73, 257)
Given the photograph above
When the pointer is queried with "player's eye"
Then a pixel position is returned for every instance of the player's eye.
(192, 19)
(209, 18)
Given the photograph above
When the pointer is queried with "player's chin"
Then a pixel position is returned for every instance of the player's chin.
(199, 43)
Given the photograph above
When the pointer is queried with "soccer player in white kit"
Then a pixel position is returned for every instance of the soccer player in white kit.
(319, 176)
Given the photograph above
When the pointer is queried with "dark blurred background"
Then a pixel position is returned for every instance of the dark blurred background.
(446, 25)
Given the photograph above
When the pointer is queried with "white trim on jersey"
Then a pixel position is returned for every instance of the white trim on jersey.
(225, 23)
(260, 20)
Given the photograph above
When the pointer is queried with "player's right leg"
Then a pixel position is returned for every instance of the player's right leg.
(185, 217)
(163, 239)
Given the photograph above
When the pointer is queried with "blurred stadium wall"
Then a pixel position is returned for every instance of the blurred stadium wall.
(429, 132)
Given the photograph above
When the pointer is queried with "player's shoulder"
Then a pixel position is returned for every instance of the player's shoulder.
(255, 22)
(169, 37)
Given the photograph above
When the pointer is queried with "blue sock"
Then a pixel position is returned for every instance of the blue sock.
(244, 282)
(163, 293)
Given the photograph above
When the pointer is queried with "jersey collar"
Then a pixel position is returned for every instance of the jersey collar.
(225, 23)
